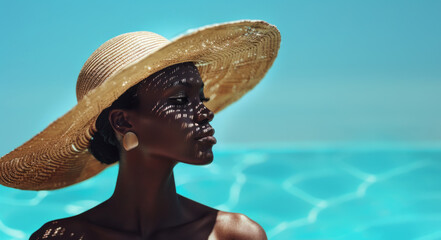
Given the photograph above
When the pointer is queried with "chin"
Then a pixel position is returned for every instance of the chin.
(202, 158)
(207, 161)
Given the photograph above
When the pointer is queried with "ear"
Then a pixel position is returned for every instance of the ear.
(119, 119)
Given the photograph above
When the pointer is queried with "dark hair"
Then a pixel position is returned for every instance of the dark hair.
(104, 146)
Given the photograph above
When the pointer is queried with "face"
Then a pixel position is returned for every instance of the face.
(172, 120)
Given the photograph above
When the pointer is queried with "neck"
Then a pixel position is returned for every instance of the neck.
(145, 197)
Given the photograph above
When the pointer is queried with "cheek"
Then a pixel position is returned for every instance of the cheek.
(168, 128)
(176, 119)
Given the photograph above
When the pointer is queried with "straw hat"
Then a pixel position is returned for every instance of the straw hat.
(231, 58)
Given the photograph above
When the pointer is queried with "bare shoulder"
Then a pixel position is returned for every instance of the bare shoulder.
(66, 228)
(237, 226)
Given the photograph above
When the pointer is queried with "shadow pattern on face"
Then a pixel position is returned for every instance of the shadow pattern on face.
(171, 116)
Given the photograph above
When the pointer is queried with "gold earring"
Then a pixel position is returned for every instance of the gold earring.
(130, 141)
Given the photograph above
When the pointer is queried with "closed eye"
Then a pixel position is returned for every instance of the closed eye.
(179, 100)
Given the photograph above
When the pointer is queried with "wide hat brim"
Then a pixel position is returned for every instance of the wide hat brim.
(231, 58)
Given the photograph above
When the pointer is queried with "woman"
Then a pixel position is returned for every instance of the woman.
(141, 102)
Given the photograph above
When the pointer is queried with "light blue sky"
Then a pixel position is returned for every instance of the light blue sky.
(347, 71)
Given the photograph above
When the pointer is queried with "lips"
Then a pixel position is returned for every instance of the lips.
(206, 136)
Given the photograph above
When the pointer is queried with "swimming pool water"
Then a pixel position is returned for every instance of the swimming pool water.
(293, 193)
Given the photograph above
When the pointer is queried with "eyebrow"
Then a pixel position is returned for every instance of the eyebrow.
(182, 83)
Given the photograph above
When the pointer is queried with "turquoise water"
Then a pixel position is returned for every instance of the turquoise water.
(308, 193)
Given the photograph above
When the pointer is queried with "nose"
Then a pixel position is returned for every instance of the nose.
(204, 114)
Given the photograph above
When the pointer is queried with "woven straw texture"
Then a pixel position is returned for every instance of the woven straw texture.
(231, 58)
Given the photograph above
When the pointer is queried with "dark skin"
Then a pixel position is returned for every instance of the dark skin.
(168, 122)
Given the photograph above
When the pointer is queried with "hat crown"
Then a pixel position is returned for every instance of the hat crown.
(115, 54)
